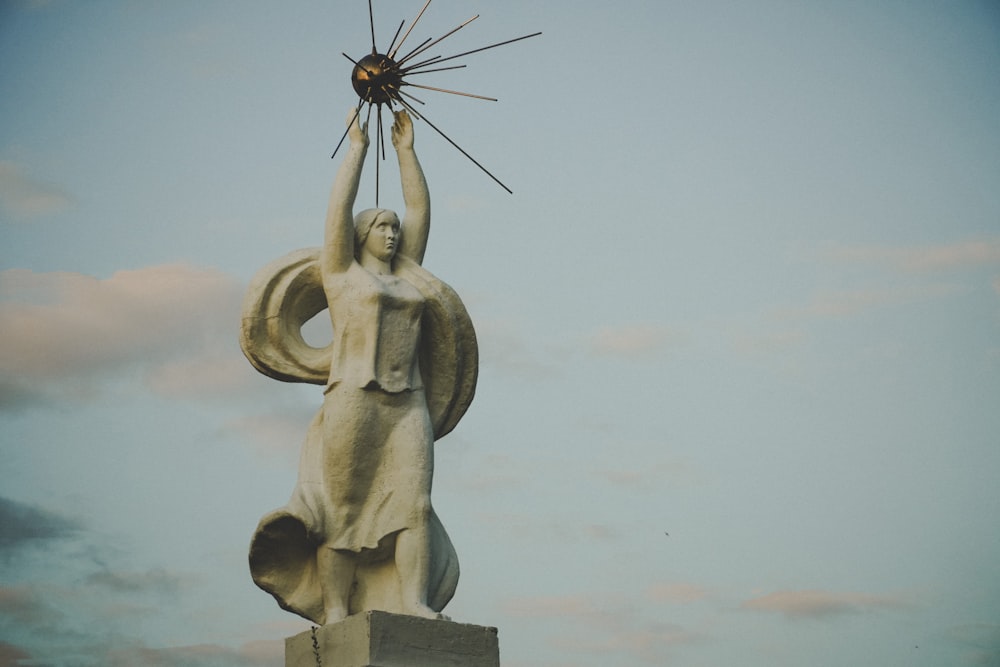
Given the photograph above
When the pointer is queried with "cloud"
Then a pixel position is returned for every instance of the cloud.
(12, 655)
(30, 5)
(609, 625)
(980, 642)
(20, 605)
(633, 341)
(101, 619)
(207, 376)
(22, 525)
(996, 284)
(677, 593)
(923, 258)
(845, 303)
(54, 645)
(464, 205)
(156, 581)
(550, 606)
(649, 642)
(63, 330)
(630, 478)
(601, 532)
(645, 474)
(753, 344)
(24, 197)
(820, 604)
(274, 433)
(251, 654)
(504, 346)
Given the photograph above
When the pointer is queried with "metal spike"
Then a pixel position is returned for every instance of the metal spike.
(459, 148)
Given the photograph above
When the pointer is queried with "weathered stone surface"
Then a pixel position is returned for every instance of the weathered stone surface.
(380, 639)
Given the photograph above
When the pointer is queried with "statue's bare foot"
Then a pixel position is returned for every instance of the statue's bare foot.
(335, 615)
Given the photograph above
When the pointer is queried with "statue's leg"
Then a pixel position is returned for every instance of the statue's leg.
(413, 558)
(336, 573)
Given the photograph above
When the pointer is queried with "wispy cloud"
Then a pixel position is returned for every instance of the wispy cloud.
(980, 642)
(158, 581)
(216, 374)
(921, 258)
(274, 433)
(650, 642)
(31, 5)
(20, 605)
(610, 625)
(677, 593)
(22, 525)
(638, 340)
(12, 655)
(61, 327)
(626, 463)
(820, 604)
(24, 197)
(252, 654)
(503, 345)
(550, 606)
(116, 652)
(846, 303)
(100, 617)
(768, 342)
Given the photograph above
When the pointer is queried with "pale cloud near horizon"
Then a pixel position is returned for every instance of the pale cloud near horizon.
(25, 197)
(504, 345)
(819, 604)
(274, 434)
(676, 593)
(38, 617)
(550, 606)
(652, 474)
(64, 327)
(637, 340)
(920, 258)
(757, 343)
(609, 624)
(846, 303)
(221, 374)
(260, 653)
(981, 642)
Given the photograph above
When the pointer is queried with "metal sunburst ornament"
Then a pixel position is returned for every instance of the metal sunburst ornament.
(379, 79)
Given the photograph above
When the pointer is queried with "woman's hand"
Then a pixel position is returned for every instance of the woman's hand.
(357, 132)
(402, 130)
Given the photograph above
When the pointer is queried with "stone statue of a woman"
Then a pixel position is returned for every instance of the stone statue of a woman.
(359, 532)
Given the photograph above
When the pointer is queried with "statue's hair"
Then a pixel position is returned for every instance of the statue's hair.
(363, 222)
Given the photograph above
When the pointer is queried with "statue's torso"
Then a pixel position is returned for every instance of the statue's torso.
(376, 330)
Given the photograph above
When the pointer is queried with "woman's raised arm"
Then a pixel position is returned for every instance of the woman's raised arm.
(417, 219)
(338, 247)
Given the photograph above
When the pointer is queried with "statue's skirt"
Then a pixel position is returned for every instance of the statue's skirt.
(365, 475)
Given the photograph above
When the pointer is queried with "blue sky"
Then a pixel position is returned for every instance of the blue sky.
(746, 292)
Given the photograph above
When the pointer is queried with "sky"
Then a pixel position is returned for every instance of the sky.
(739, 323)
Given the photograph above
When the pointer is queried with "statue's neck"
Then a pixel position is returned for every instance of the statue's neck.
(374, 265)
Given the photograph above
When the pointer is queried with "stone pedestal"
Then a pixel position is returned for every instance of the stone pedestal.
(381, 639)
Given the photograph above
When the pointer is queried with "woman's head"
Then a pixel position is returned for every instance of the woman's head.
(384, 220)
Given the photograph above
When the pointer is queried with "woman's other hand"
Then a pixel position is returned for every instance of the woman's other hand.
(402, 130)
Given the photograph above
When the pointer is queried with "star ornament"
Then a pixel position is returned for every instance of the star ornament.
(381, 79)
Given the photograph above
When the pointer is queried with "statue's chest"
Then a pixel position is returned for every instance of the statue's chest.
(364, 296)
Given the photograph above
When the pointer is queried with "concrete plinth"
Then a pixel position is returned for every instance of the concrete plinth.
(380, 639)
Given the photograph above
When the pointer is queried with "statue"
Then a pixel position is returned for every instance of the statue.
(359, 532)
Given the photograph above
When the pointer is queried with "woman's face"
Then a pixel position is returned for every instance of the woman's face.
(383, 238)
